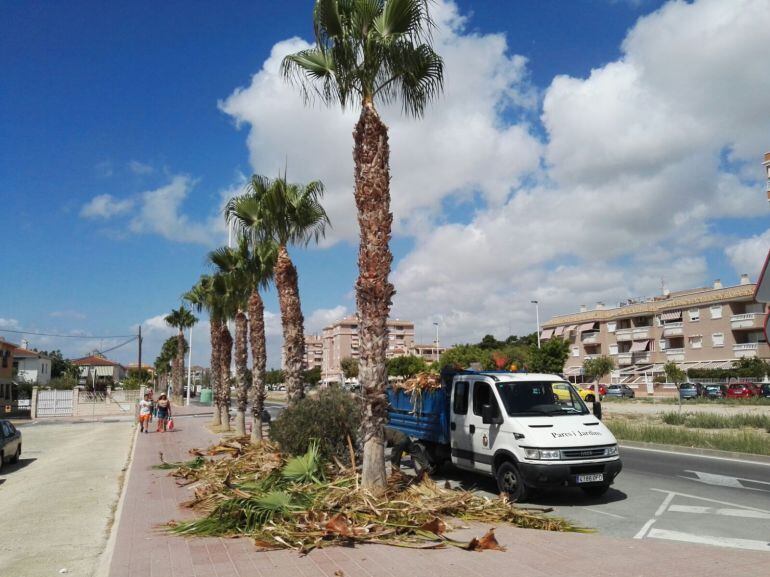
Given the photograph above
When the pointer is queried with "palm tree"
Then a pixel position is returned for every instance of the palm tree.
(275, 211)
(367, 51)
(181, 319)
(202, 297)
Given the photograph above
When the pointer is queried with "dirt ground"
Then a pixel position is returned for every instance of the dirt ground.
(56, 505)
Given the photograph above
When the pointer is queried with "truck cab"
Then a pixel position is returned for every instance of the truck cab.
(517, 427)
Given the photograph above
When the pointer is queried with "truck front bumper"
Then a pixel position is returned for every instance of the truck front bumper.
(539, 475)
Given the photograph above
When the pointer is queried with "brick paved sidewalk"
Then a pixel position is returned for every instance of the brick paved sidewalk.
(152, 498)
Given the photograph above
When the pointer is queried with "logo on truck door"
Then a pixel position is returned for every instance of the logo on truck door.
(485, 440)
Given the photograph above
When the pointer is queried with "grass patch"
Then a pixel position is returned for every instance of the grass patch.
(717, 421)
(742, 441)
(756, 401)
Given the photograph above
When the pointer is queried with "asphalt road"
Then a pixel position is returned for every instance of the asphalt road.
(668, 495)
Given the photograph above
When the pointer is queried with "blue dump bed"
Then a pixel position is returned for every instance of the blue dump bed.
(423, 416)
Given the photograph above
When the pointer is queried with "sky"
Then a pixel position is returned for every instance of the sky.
(583, 151)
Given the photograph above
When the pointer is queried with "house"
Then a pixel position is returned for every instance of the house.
(98, 372)
(31, 366)
(6, 372)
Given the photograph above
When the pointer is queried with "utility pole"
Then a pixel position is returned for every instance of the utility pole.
(189, 370)
(537, 317)
(139, 340)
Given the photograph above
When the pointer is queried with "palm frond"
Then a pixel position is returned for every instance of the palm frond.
(304, 468)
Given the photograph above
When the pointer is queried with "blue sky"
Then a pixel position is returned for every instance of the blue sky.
(122, 100)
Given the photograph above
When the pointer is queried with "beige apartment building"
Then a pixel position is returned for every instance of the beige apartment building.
(314, 352)
(698, 328)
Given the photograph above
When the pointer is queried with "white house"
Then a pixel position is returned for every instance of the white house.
(31, 366)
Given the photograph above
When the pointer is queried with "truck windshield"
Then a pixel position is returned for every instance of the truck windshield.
(540, 398)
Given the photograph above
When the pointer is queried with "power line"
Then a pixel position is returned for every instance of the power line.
(66, 336)
(131, 340)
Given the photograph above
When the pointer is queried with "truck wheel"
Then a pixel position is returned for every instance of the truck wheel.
(596, 490)
(510, 482)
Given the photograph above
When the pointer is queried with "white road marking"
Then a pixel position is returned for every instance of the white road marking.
(718, 480)
(664, 505)
(707, 540)
(643, 531)
(710, 500)
(603, 512)
(678, 454)
(745, 513)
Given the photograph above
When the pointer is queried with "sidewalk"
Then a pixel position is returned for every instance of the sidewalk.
(152, 498)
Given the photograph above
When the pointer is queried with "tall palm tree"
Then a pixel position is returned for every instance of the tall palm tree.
(377, 50)
(275, 211)
(202, 297)
(180, 319)
(226, 296)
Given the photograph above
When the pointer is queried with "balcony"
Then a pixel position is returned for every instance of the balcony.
(624, 334)
(625, 359)
(742, 350)
(642, 357)
(641, 334)
(590, 357)
(673, 329)
(590, 338)
(675, 354)
(746, 321)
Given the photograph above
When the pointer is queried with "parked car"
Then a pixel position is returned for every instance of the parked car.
(715, 391)
(741, 391)
(621, 391)
(562, 392)
(10, 443)
(690, 390)
(602, 389)
(764, 391)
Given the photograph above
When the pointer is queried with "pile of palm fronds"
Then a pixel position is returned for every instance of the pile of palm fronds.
(420, 382)
(302, 503)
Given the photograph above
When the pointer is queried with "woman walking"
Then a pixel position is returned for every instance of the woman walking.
(163, 412)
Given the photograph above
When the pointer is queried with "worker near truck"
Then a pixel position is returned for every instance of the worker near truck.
(400, 443)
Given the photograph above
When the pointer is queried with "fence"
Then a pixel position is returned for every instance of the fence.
(82, 403)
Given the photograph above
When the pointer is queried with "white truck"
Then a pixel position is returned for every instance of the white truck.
(528, 431)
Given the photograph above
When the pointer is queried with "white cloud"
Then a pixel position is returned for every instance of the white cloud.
(67, 314)
(106, 206)
(748, 255)
(140, 168)
(9, 323)
(321, 318)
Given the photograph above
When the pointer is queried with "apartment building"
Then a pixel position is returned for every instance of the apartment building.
(341, 340)
(7, 387)
(314, 352)
(698, 328)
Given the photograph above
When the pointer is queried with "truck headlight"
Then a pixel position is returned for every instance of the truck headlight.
(531, 453)
(544, 454)
(612, 451)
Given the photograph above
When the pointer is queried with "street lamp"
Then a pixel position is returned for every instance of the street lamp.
(537, 317)
(189, 369)
(435, 324)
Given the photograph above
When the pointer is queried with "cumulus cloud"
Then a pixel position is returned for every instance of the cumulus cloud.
(748, 255)
(67, 314)
(9, 323)
(106, 206)
(140, 168)
(321, 318)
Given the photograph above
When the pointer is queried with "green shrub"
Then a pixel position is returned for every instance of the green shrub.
(716, 421)
(330, 418)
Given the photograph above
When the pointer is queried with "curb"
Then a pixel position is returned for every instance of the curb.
(105, 560)
(762, 459)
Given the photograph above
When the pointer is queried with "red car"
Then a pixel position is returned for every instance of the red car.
(602, 389)
(741, 391)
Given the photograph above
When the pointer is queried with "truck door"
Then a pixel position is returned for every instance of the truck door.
(483, 436)
(461, 445)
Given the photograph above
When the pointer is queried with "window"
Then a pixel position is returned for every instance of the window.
(694, 314)
(5, 359)
(482, 395)
(575, 351)
(613, 349)
(612, 327)
(662, 344)
(696, 342)
(716, 311)
(460, 406)
(718, 340)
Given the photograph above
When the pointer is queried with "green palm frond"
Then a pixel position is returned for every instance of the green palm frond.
(304, 468)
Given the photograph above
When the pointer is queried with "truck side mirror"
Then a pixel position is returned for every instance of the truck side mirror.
(489, 416)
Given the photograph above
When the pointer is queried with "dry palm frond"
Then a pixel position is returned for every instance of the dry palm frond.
(302, 503)
(420, 382)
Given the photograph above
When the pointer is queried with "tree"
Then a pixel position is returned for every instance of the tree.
(274, 377)
(59, 365)
(180, 319)
(595, 369)
(751, 367)
(675, 375)
(275, 211)
(349, 368)
(312, 376)
(550, 357)
(367, 51)
(462, 356)
(407, 366)
(166, 357)
(489, 342)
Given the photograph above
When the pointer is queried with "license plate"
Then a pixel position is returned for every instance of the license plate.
(596, 477)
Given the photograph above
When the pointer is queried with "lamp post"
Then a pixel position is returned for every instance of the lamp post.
(189, 368)
(537, 317)
(435, 324)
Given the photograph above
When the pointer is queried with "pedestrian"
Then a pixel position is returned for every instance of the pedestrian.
(152, 405)
(163, 412)
(400, 443)
(145, 412)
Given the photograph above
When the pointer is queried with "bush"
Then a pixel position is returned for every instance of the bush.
(330, 418)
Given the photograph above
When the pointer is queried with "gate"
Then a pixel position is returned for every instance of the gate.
(54, 403)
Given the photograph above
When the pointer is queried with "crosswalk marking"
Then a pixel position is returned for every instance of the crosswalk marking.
(726, 481)
(708, 540)
(746, 513)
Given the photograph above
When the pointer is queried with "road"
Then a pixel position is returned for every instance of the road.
(670, 496)
(57, 503)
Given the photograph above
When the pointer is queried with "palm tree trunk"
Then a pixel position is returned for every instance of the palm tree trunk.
(259, 360)
(293, 325)
(179, 376)
(216, 331)
(241, 371)
(224, 383)
(373, 291)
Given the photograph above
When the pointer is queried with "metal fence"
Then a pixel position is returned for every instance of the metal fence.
(54, 403)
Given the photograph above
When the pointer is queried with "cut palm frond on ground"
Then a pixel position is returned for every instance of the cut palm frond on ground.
(302, 503)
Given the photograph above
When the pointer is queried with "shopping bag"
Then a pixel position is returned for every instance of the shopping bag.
(170, 425)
